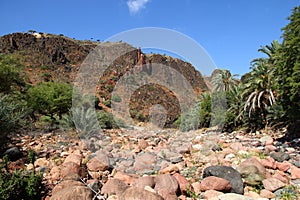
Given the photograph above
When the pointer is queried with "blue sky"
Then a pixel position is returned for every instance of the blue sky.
(231, 31)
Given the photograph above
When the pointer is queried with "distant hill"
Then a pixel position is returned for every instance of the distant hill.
(49, 57)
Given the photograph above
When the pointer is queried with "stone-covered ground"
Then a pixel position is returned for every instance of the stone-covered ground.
(141, 164)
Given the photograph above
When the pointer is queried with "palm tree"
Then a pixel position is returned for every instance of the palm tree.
(235, 103)
(259, 87)
(271, 50)
(223, 81)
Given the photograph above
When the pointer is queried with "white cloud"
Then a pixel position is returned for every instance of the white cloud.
(136, 5)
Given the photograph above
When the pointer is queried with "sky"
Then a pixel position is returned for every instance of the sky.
(230, 31)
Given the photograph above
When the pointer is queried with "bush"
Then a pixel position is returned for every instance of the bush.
(107, 120)
(88, 121)
(116, 98)
(10, 76)
(12, 116)
(20, 184)
(50, 98)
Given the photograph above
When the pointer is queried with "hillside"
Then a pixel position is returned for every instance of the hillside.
(49, 57)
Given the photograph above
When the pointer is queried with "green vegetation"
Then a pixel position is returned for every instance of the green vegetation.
(88, 121)
(20, 184)
(12, 115)
(50, 98)
(10, 76)
(116, 98)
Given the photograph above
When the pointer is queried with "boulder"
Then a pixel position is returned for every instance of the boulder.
(228, 173)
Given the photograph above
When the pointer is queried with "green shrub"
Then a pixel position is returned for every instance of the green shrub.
(107, 120)
(12, 116)
(19, 184)
(88, 121)
(107, 103)
(140, 116)
(10, 75)
(50, 98)
(116, 98)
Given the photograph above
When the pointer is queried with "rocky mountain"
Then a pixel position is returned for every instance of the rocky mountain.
(49, 57)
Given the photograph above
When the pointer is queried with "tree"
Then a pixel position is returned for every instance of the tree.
(50, 98)
(10, 75)
(287, 68)
(258, 90)
(223, 81)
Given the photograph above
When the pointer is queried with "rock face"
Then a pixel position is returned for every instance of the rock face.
(47, 50)
(228, 173)
(58, 58)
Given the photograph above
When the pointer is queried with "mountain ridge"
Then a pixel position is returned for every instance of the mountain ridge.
(49, 57)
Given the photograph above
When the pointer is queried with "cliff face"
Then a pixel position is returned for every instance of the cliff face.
(47, 57)
(50, 57)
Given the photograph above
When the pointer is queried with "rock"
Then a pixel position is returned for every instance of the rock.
(71, 170)
(55, 173)
(266, 140)
(228, 173)
(114, 187)
(94, 184)
(150, 189)
(251, 174)
(270, 148)
(233, 196)
(165, 184)
(13, 153)
(126, 178)
(212, 194)
(196, 187)
(29, 167)
(295, 172)
(113, 197)
(184, 148)
(99, 163)
(252, 194)
(280, 156)
(42, 162)
(292, 194)
(237, 146)
(254, 162)
(215, 183)
(267, 194)
(143, 144)
(211, 145)
(197, 147)
(70, 190)
(145, 161)
(171, 169)
(280, 175)
(144, 181)
(229, 157)
(268, 163)
(135, 193)
(252, 171)
(272, 184)
(75, 158)
(184, 184)
(171, 197)
(284, 166)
